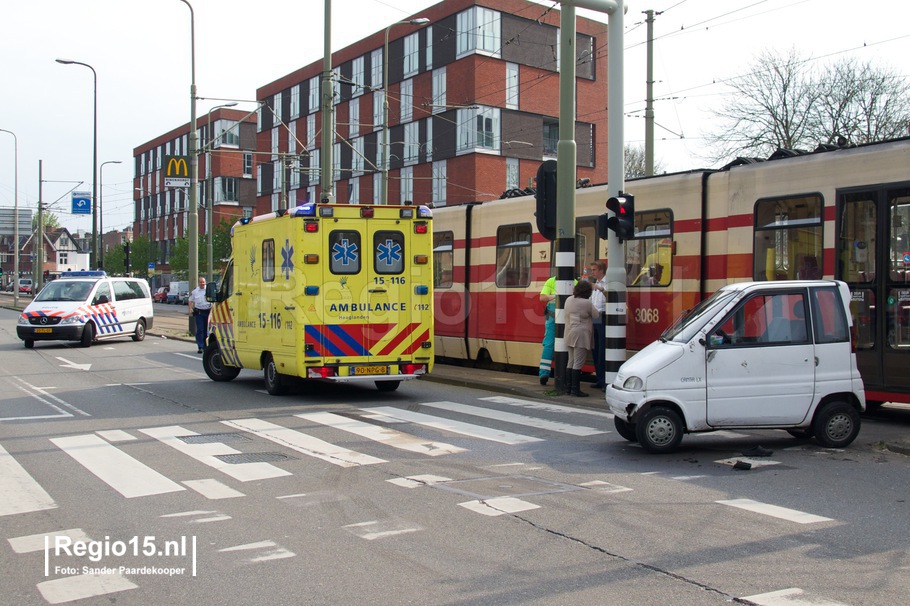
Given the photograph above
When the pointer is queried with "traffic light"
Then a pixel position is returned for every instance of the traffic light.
(623, 220)
(546, 199)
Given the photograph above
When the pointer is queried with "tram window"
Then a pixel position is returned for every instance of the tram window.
(443, 259)
(899, 241)
(899, 319)
(388, 252)
(513, 256)
(788, 234)
(344, 251)
(268, 260)
(649, 257)
(857, 240)
(863, 310)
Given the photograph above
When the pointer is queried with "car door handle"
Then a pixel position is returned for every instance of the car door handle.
(289, 307)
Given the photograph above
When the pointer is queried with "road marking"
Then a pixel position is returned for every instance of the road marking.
(790, 597)
(116, 435)
(783, 513)
(36, 542)
(375, 529)
(70, 589)
(468, 429)
(206, 453)
(509, 417)
(68, 364)
(213, 489)
(601, 486)
(21, 493)
(47, 399)
(383, 435)
(211, 516)
(499, 506)
(304, 444)
(421, 480)
(547, 407)
(271, 551)
(119, 470)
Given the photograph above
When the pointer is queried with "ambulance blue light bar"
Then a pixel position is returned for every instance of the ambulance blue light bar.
(304, 210)
(424, 212)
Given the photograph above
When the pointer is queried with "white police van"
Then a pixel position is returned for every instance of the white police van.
(754, 355)
(86, 306)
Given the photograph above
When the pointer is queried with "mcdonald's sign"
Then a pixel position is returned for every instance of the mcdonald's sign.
(177, 171)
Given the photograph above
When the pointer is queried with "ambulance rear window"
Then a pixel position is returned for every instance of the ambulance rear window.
(388, 247)
(344, 251)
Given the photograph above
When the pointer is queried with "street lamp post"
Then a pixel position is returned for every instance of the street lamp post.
(95, 256)
(15, 216)
(193, 212)
(385, 105)
(101, 209)
(210, 205)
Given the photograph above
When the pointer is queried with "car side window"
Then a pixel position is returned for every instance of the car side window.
(764, 319)
(102, 295)
(830, 318)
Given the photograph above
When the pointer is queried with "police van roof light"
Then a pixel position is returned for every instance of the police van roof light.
(91, 273)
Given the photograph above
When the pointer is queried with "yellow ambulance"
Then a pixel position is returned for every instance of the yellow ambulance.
(326, 291)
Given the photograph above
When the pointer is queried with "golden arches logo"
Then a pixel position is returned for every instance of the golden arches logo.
(177, 167)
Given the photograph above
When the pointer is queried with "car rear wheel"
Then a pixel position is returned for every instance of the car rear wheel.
(659, 430)
(88, 335)
(139, 333)
(625, 429)
(274, 383)
(836, 425)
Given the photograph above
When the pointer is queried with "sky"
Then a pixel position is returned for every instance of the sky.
(140, 50)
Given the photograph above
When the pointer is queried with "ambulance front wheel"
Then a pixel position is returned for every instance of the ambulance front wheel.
(214, 366)
(274, 383)
(387, 385)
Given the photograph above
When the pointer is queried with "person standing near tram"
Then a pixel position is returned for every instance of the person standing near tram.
(548, 298)
(599, 300)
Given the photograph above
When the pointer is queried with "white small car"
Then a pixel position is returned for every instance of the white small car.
(86, 306)
(754, 355)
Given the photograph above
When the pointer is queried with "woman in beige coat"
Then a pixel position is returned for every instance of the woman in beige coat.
(579, 334)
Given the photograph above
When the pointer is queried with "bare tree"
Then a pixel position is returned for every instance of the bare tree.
(634, 162)
(784, 103)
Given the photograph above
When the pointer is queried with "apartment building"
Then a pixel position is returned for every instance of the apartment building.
(473, 96)
(227, 179)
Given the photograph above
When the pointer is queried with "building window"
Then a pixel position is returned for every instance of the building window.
(314, 165)
(377, 188)
(407, 185)
(226, 189)
(247, 164)
(512, 85)
(478, 30)
(314, 94)
(354, 119)
(357, 76)
(478, 129)
(511, 173)
(227, 133)
(295, 102)
(247, 212)
(354, 191)
(311, 132)
(439, 90)
(277, 174)
(439, 183)
(357, 155)
(275, 140)
(550, 137)
(292, 137)
(429, 49)
(428, 145)
(411, 142)
(276, 106)
(407, 100)
(376, 69)
(411, 56)
(378, 97)
(336, 162)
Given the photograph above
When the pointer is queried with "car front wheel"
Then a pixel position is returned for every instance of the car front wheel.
(625, 429)
(659, 430)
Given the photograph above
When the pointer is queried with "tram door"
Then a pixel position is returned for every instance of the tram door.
(873, 257)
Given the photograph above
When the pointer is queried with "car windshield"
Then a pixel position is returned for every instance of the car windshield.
(64, 290)
(691, 321)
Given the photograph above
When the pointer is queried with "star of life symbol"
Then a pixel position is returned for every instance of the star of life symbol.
(344, 252)
(390, 252)
(287, 259)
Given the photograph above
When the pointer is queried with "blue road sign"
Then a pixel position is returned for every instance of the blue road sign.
(82, 203)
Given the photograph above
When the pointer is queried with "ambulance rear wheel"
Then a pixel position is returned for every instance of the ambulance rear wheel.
(387, 385)
(214, 365)
(274, 384)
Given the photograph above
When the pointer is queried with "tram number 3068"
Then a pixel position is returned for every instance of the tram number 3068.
(647, 315)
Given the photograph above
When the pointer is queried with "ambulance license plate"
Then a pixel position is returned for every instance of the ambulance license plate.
(371, 370)
(43, 330)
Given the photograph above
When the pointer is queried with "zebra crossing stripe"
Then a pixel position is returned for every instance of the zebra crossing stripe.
(468, 429)
(499, 506)
(384, 435)
(783, 513)
(510, 417)
(21, 493)
(119, 470)
(207, 453)
(790, 597)
(304, 444)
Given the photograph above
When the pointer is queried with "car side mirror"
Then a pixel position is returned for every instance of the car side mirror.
(212, 294)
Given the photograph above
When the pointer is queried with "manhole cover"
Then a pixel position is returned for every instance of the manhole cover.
(211, 438)
(505, 486)
(252, 457)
